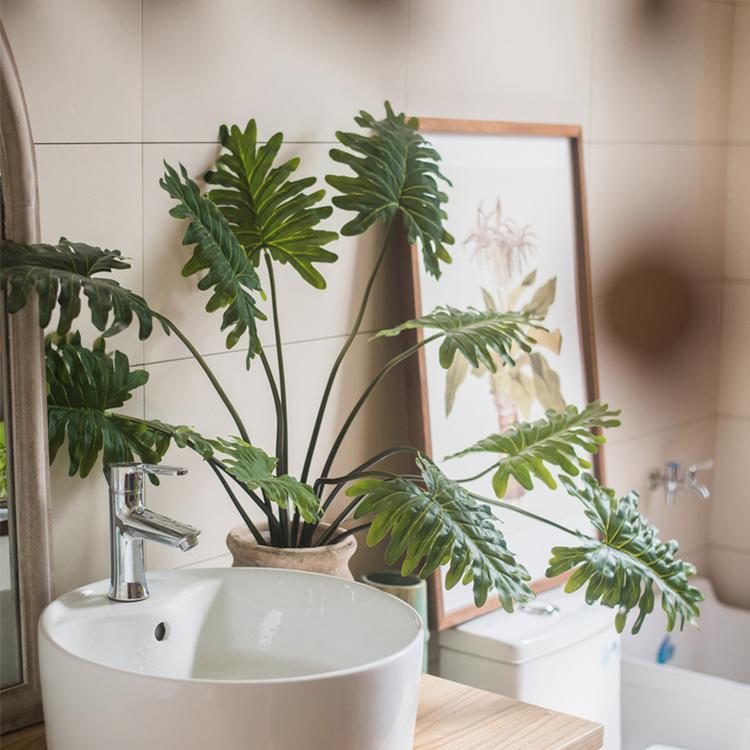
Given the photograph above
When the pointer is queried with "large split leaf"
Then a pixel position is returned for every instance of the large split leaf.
(267, 210)
(58, 273)
(396, 172)
(254, 468)
(556, 440)
(474, 334)
(83, 387)
(229, 272)
(440, 523)
(628, 563)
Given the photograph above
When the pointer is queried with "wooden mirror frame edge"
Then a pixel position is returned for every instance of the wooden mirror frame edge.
(21, 705)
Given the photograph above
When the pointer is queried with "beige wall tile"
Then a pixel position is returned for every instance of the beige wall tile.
(668, 388)
(730, 516)
(178, 392)
(485, 59)
(729, 574)
(737, 263)
(734, 395)
(660, 70)
(80, 66)
(739, 106)
(629, 463)
(304, 66)
(663, 201)
(92, 193)
(305, 313)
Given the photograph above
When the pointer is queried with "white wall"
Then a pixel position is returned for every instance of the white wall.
(730, 519)
(115, 87)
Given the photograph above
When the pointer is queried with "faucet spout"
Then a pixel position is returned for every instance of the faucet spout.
(155, 527)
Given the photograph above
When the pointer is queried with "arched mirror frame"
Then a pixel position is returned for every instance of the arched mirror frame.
(21, 704)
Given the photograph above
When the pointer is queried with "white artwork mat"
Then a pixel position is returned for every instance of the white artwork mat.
(506, 184)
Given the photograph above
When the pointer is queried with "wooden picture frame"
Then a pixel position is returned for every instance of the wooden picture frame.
(441, 619)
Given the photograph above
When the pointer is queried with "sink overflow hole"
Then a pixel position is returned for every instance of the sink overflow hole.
(161, 631)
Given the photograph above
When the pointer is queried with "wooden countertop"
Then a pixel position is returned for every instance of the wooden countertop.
(456, 717)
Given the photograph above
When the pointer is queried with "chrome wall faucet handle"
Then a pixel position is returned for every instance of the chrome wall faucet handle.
(673, 480)
(131, 523)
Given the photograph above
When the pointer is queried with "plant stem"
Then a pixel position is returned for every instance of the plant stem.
(277, 407)
(523, 512)
(206, 369)
(308, 529)
(480, 475)
(377, 458)
(349, 532)
(334, 527)
(248, 522)
(342, 354)
(283, 454)
(383, 372)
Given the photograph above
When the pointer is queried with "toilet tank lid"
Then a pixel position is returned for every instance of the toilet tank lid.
(526, 635)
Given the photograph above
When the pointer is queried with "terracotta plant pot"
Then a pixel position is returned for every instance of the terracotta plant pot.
(333, 560)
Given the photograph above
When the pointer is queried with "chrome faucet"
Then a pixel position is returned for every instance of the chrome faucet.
(674, 480)
(131, 523)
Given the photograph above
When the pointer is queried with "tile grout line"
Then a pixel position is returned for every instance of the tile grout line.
(143, 208)
(735, 417)
(588, 141)
(591, 72)
(662, 430)
(226, 352)
(730, 548)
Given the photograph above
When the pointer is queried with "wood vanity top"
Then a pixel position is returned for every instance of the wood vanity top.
(456, 717)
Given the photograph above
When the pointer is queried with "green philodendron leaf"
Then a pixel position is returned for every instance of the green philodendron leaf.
(58, 274)
(83, 387)
(267, 210)
(474, 333)
(396, 173)
(229, 272)
(623, 568)
(183, 437)
(254, 468)
(440, 523)
(527, 448)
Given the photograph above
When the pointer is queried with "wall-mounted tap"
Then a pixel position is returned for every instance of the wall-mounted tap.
(674, 480)
(131, 523)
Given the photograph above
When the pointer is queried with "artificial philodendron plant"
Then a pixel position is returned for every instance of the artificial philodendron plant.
(256, 212)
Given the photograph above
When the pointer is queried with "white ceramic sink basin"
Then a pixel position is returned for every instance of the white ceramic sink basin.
(249, 659)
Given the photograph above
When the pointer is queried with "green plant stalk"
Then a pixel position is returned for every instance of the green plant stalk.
(283, 453)
(334, 527)
(210, 375)
(349, 532)
(276, 401)
(342, 354)
(248, 522)
(480, 475)
(373, 384)
(308, 529)
(527, 513)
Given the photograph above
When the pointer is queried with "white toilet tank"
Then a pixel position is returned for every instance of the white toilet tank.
(558, 653)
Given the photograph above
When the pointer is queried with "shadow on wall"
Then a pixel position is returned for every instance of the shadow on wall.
(651, 305)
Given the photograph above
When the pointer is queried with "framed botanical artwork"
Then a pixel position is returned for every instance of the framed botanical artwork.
(518, 215)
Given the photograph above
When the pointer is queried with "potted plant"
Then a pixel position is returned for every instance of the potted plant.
(253, 213)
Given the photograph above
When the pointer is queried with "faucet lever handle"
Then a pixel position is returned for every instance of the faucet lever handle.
(169, 471)
(693, 469)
